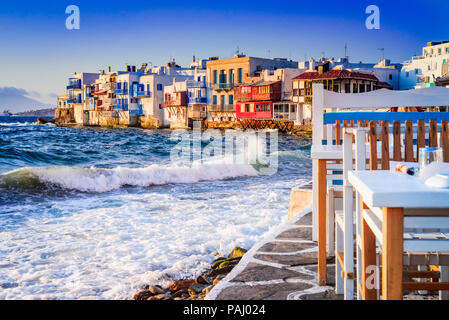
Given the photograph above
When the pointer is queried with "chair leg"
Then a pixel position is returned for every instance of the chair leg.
(348, 244)
(330, 222)
(444, 277)
(339, 288)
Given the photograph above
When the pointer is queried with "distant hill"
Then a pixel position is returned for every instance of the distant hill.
(17, 100)
(50, 112)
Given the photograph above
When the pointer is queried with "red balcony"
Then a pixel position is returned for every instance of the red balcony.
(176, 99)
(259, 91)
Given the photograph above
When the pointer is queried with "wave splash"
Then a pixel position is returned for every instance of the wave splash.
(103, 180)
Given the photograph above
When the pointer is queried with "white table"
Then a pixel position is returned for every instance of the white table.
(392, 192)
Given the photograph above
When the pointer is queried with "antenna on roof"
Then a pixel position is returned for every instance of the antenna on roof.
(346, 51)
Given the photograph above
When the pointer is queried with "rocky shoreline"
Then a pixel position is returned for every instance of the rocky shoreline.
(193, 288)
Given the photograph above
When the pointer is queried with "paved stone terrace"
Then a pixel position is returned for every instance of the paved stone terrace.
(281, 267)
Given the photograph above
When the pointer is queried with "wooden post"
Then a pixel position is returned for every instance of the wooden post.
(368, 257)
(433, 134)
(337, 132)
(392, 253)
(385, 146)
(373, 145)
(397, 156)
(409, 141)
(421, 141)
(321, 190)
(445, 140)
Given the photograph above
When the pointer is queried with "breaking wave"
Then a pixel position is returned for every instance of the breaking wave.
(103, 180)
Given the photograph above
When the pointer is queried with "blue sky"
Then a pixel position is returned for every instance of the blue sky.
(38, 54)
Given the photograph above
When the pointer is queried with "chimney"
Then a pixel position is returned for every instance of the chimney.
(311, 64)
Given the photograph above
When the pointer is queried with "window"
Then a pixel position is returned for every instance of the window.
(390, 77)
(361, 88)
(215, 77)
(214, 100)
(447, 50)
(439, 51)
(368, 88)
(231, 75)
(354, 88)
(295, 92)
(160, 87)
(223, 100)
(347, 87)
(268, 107)
(240, 75)
(222, 76)
(246, 107)
(231, 99)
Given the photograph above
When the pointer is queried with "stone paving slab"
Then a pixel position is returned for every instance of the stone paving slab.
(282, 267)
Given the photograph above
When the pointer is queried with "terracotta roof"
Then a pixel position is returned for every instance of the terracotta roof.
(309, 75)
(346, 74)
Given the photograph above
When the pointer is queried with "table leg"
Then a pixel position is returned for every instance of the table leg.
(368, 260)
(392, 253)
(321, 190)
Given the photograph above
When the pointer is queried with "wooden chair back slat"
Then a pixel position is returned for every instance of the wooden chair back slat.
(397, 155)
(421, 139)
(385, 146)
(373, 145)
(337, 132)
(445, 140)
(409, 141)
(433, 134)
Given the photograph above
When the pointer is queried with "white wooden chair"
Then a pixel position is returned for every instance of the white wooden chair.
(426, 238)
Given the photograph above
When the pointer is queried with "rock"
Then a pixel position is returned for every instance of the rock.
(181, 293)
(218, 279)
(237, 252)
(200, 297)
(196, 288)
(216, 272)
(217, 262)
(227, 263)
(180, 284)
(202, 280)
(207, 290)
(158, 297)
(142, 295)
(156, 290)
(44, 121)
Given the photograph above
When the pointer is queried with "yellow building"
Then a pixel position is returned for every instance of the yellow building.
(223, 74)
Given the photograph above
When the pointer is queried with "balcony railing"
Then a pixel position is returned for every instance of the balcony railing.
(74, 86)
(73, 100)
(284, 116)
(121, 91)
(198, 100)
(173, 103)
(221, 108)
(221, 86)
(120, 107)
(143, 94)
(196, 84)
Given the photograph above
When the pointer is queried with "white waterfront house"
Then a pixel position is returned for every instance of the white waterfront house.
(76, 91)
(423, 71)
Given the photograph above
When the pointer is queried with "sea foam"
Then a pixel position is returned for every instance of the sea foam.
(103, 180)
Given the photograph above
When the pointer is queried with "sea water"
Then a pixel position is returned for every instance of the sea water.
(97, 213)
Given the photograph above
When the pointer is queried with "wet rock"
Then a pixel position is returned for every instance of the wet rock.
(158, 297)
(227, 263)
(217, 262)
(142, 295)
(156, 290)
(202, 280)
(216, 272)
(180, 284)
(181, 293)
(218, 279)
(237, 252)
(44, 121)
(207, 290)
(196, 289)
